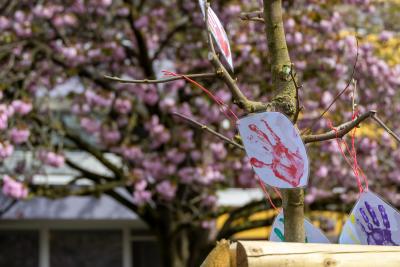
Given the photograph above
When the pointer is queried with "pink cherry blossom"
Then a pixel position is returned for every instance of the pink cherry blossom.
(19, 136)
(21, 107)
(166, 190)
(51, 158)
(110, 136)
(6, 150)
(132, 153)
(13, 188)
(123, 106)
(141, 196)
(90, 125)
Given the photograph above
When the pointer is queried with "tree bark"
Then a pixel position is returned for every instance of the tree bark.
(285, 102)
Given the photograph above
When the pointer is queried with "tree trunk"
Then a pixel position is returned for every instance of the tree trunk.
(284, 101)
(181, 244)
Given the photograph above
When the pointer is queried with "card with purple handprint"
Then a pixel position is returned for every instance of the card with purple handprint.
(275, 149)
(372, 222)
(313, 234)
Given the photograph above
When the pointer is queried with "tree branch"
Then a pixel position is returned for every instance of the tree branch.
(341, 130)
(70, 134)
(8, 207)
(146, 81)
(208, 129)
(239, 98)
(65, 191)
(143, 55)
(178, 27)
(341, 92)
(248, 225)
(88, 174)
(253, 16)
(383, 125)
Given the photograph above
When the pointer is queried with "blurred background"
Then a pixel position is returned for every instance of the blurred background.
(100, 173)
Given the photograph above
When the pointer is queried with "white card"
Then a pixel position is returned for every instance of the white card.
(372, 222)
(313, 234)
(275, 149)
(219, 34)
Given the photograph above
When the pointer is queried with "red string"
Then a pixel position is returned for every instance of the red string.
(277, 192)
(359, 171)
(267, 195)
(219, 101)
(353, 155)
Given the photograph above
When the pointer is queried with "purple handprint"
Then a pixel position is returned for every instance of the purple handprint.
(376, 234)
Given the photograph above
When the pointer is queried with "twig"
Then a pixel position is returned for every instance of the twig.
(354, 104)
(8, 207)
(340, 131)
(384, 126)
(239, 98)
(298, 109)
(253, 16)
(181, 25)
(342, 92)
(147, 81)
(208, 129)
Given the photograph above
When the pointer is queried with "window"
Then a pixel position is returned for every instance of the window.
(146, 253)
(19, 248)
(85, 248)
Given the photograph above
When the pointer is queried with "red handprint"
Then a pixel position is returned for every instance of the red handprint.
(286, 165)
(219, 35)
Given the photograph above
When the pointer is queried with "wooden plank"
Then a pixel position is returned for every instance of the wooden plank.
(265, 254)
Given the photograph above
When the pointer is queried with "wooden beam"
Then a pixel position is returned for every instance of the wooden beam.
(265, 254)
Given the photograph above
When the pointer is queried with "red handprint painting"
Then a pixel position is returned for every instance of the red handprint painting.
(219, 34)
(275, 149)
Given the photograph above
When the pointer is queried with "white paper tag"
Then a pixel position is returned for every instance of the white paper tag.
(275, 149)
(313, 234)
(218, 33)
(372, 222)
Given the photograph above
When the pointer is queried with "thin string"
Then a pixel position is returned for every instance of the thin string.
(277, 192)
(224, 109)
(353, 138)
(266, 194)
(353, 155)
(228, 112)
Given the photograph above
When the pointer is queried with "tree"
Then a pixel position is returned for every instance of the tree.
(173, 170)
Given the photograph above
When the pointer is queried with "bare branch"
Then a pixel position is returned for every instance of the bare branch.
(73, 136)
(239, 98)
(341, 130)
(251, 224)
(87, 174)
(253, 16)
(181, 25)
(298, 87)
(208, 129)
(383, 125)
(146, 81)
(342, 92)
(65, 191)
(8, 207)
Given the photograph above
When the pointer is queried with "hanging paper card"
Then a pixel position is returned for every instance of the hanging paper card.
(372, 222)
(275, 149)
(219, 34)
(313, 234)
